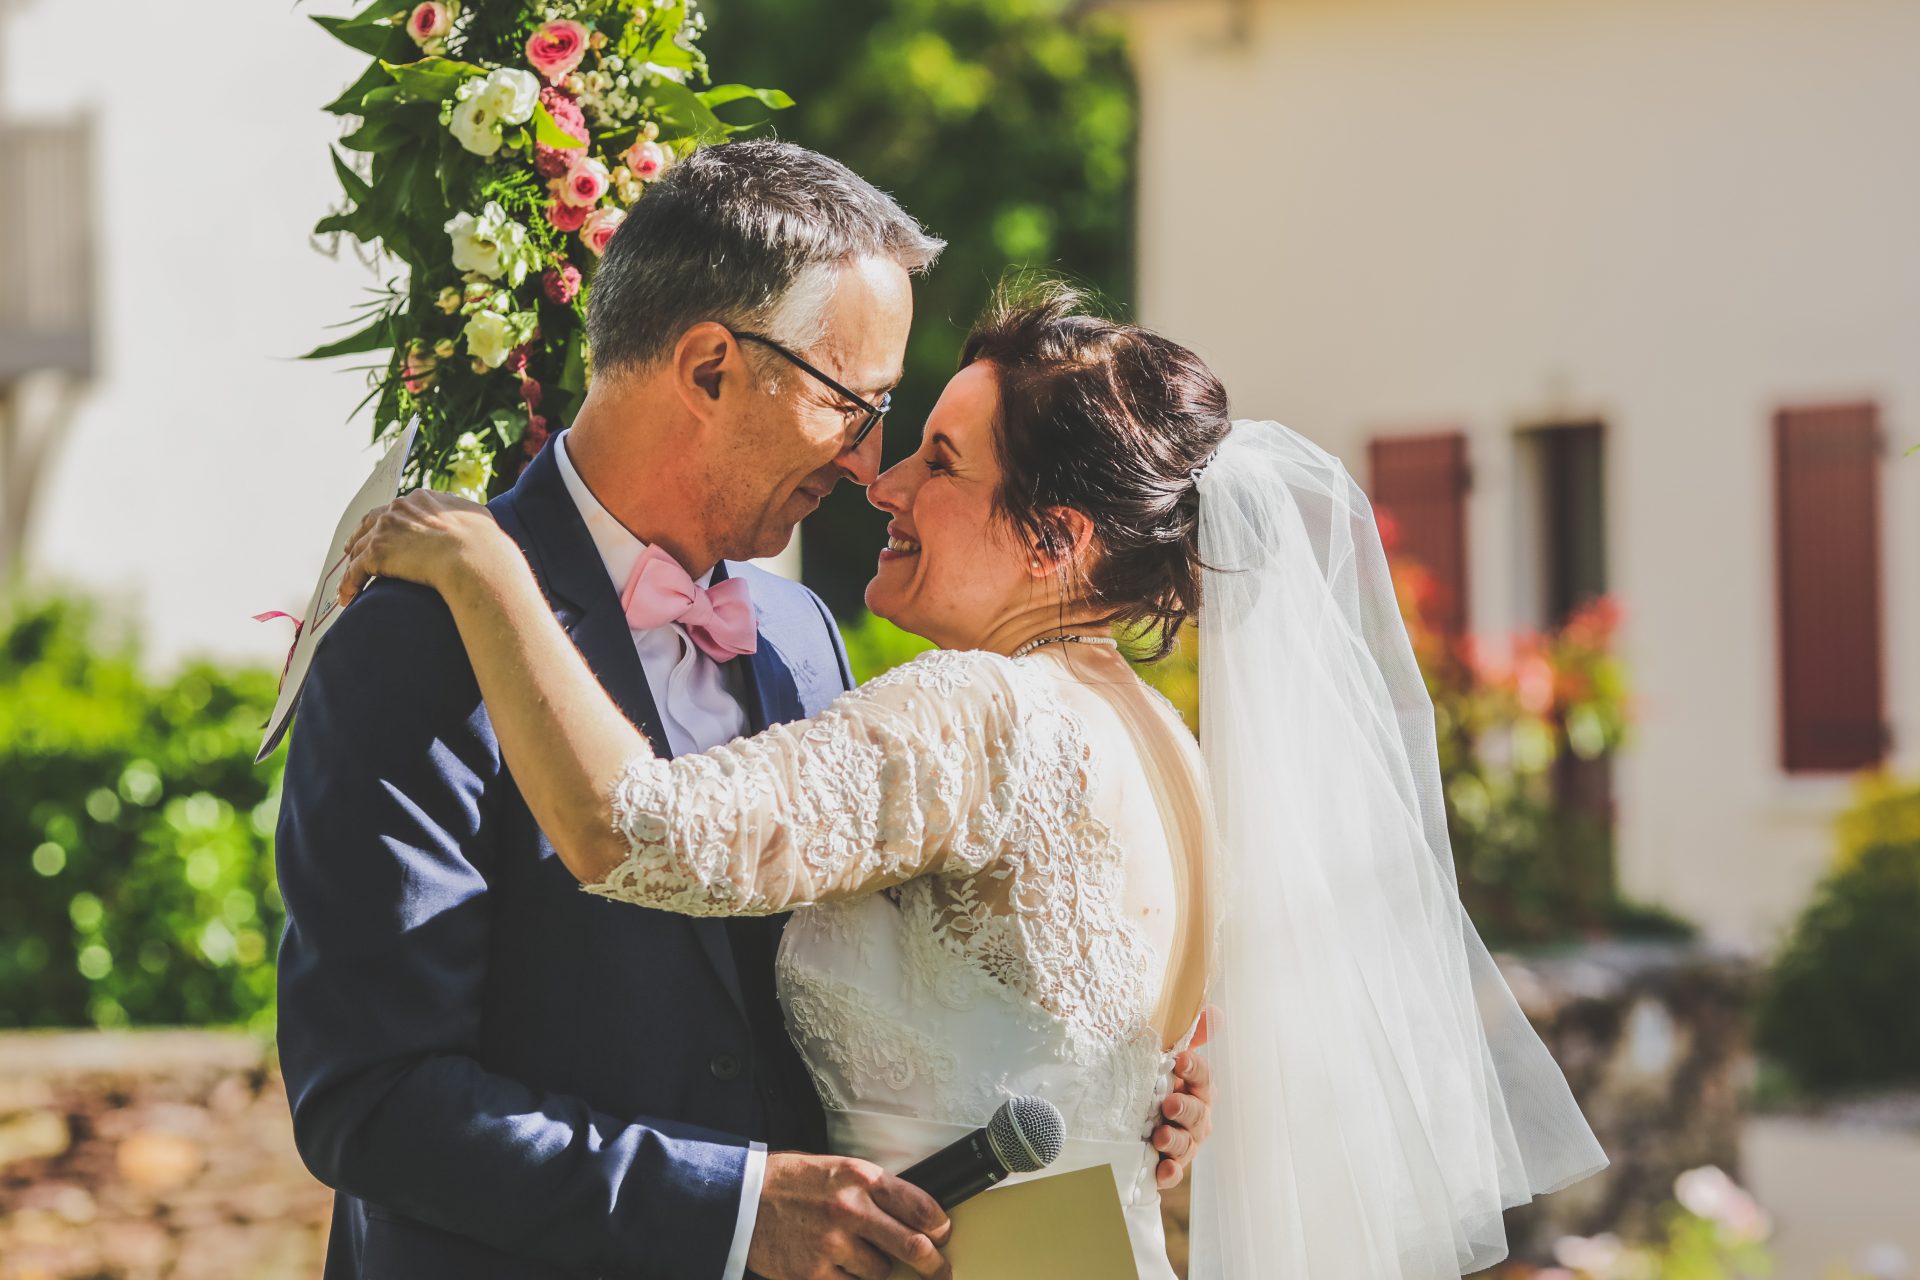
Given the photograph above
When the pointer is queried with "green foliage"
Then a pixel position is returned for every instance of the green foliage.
(136, 879)
(1007, 126)
(484, 356)
(1839, 1007)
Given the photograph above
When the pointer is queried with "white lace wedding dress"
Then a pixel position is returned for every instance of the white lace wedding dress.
(996, 865)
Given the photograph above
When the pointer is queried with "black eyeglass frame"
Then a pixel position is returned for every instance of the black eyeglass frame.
(875, 412)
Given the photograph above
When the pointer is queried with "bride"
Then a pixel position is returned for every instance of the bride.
(1015, 870)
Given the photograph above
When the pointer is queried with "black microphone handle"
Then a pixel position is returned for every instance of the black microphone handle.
(958, 1172)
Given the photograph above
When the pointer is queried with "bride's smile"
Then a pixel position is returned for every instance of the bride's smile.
(954, 568)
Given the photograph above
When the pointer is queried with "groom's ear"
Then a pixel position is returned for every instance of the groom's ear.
(702, 358)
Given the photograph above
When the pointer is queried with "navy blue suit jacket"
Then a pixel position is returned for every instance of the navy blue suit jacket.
(502, 1076)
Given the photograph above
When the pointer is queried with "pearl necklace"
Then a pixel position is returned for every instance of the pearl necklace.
(1065, 637)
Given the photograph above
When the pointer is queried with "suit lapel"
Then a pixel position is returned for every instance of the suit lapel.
(585, 602)
(771, 695)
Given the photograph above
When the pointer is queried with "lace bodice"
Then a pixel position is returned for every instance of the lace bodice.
(960, 930)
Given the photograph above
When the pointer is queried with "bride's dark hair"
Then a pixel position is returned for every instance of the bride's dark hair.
(1111, 420)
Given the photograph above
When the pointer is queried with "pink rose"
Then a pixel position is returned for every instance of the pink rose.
(599, 228)
(646, 158)
(420, 365)
(561, 284)
(556, 48)
(566, 217)
(429, 21)
(584, 182)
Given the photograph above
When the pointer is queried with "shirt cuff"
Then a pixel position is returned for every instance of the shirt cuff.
(750, 1183)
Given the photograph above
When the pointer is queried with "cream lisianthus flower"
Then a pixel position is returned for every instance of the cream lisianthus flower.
(492, 244)
(469, 470)
(476, 125)
(507, 96)
(490, 338)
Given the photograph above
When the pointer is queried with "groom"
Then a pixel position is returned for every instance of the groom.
(502, 1076)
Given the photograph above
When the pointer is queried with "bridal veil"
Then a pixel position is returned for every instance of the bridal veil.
(1381, 1099)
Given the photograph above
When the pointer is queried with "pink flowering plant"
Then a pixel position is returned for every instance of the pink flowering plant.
(493, 147)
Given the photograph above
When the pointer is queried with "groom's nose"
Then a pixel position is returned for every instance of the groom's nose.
(862, 464)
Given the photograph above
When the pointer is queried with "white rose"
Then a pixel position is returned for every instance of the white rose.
(475, 124)
(490, 338)
(512, 93)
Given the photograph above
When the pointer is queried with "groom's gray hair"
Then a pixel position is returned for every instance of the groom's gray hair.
(750, 234)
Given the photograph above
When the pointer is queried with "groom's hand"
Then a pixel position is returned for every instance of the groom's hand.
(828, 1217)
(1187, 1110)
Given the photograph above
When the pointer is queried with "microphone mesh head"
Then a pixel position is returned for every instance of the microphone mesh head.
(1027, 1134)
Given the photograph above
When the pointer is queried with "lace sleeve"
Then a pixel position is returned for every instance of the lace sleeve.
(920, 770)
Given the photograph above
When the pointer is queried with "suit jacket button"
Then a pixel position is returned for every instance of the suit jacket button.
(724, 1067)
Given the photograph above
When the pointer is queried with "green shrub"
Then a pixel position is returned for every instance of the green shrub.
(1841, 1005)
(136, 875)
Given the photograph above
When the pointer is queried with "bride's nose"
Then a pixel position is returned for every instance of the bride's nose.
(890, 490)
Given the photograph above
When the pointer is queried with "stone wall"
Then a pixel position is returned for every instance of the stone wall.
(142, 1155)
(1653, 1038)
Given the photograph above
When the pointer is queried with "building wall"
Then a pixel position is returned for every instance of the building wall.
(205, 468)
(1673, 216)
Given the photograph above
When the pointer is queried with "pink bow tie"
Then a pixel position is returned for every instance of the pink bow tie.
(720, 619)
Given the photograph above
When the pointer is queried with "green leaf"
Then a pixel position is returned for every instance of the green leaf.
(509, 426)
(431, 79)
(357, 188)
(573, 371)
(375, 135)
(721, 95)
(379, 41)
(682, 109)
(348, 103)
(379, 11)
(378, 336)
(548, 133)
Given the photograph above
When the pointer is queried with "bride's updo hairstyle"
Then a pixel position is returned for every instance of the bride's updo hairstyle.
(1112, 421)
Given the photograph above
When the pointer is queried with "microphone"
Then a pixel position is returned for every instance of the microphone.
(1024, 1136)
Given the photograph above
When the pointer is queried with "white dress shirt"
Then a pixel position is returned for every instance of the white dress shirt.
(699, 708)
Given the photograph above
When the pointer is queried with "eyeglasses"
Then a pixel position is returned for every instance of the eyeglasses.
(874, 412)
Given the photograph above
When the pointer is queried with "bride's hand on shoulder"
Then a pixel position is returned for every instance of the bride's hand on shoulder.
(435, 539)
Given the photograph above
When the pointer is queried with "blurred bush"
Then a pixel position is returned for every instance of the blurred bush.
(1841, 1006)
(875, 645)
(136, 875)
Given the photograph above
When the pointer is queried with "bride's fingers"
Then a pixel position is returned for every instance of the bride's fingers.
(1173, 1142)
(1169, 1174)
(1196, 1076)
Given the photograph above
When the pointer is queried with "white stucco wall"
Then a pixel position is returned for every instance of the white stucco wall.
(1670, 215)
(205, 469)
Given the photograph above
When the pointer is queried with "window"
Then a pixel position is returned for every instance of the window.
(1827, 523)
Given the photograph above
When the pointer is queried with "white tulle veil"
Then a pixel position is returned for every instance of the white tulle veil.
(1380, 1096)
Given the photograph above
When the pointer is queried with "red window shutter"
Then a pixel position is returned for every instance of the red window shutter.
(1420, 483)
(1826, 484)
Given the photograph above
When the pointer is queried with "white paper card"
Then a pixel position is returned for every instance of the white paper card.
(324, 608)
